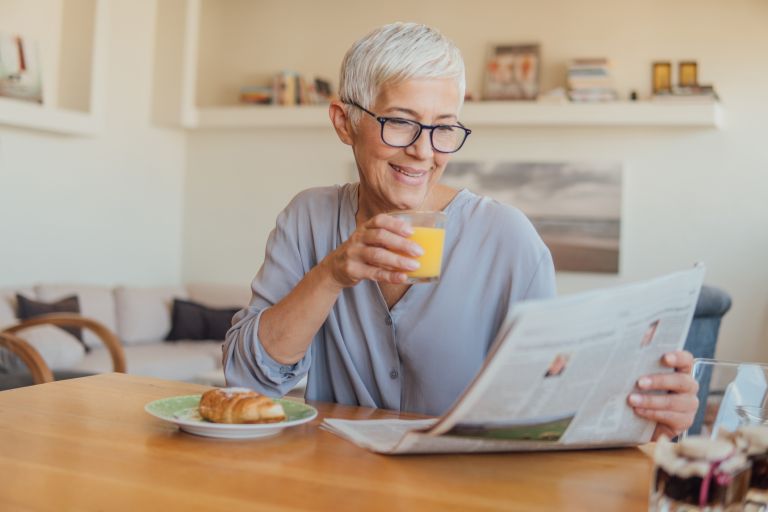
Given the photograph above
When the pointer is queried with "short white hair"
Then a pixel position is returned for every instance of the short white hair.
(395, 53)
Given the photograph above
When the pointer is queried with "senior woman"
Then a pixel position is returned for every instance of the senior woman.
(331, 298)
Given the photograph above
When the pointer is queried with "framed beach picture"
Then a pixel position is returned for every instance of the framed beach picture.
(512, 72)
(575, 206)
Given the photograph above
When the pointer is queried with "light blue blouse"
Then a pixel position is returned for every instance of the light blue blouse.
(420, 355)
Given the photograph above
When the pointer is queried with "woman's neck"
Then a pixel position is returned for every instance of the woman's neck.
(437, 199)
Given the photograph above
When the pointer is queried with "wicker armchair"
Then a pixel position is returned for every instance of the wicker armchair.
(12, 339)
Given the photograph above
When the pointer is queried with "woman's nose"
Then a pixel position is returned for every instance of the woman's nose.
(421, 147)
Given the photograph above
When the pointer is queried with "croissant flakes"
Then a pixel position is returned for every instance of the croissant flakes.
(239, 405)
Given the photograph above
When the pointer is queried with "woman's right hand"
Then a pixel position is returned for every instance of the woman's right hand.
(378, 250)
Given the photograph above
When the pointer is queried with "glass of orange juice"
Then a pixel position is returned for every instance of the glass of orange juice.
(429, 233)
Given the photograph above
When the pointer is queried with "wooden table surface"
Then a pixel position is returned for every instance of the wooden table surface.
(87, 444)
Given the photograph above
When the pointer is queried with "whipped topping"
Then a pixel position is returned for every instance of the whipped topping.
(695, 456)
(756, 437)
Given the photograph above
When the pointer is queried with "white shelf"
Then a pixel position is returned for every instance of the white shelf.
(476, 114)
(33, 116)
(616, 114)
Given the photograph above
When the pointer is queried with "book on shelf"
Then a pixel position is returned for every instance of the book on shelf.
(591, 80)
(688, 94)
(288, 88)
(256, 94)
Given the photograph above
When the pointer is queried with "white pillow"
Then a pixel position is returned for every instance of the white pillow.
(144, 314)
(59, 349)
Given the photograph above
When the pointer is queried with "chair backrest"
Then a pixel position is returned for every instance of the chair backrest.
(712, 305)
(724, 386)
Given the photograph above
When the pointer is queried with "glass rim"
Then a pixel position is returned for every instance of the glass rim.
(439, 213)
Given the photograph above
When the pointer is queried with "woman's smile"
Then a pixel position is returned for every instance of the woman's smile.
(409, 175)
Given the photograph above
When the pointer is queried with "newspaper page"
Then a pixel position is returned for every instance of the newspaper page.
(558, 375)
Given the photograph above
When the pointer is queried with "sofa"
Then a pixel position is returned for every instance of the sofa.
(140, 317)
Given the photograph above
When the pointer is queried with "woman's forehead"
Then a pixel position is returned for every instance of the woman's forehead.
(418, 96)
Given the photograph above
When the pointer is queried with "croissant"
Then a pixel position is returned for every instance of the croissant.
(239, 405)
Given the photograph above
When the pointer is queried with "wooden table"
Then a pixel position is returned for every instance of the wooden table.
(87, 444)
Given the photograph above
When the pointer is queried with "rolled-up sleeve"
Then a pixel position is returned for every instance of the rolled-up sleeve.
(246, 362)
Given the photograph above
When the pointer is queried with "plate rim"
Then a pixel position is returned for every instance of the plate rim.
(230, 426)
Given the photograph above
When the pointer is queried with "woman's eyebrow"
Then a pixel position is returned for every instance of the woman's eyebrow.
(413, 113)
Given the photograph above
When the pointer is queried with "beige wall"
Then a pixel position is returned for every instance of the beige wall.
(689, 194)
(103, 209)
(110, 208)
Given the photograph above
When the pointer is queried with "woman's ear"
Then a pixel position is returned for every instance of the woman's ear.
(341, 121)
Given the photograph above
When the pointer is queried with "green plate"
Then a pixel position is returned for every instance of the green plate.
(183, 411)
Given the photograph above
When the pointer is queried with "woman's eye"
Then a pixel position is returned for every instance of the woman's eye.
(400, 122)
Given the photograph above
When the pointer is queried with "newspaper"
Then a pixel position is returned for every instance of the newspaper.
(557, 376)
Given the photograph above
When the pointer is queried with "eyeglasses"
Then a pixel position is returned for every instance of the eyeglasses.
(401, 133)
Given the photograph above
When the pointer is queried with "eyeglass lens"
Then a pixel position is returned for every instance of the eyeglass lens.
(401, 133)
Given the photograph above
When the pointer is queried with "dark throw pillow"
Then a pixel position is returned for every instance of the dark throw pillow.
(28, 308)
(194, 321)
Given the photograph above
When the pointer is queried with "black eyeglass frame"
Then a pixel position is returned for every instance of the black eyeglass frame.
(431, 127)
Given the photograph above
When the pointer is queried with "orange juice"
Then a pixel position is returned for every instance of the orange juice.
(431, 240)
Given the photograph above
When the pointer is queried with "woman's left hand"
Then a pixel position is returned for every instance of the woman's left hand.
(674, 410)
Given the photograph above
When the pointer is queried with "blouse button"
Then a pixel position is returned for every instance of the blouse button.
(393, 374)
(388, 321)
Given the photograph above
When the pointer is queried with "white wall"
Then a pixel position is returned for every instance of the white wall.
(689, 194)
(104, 209)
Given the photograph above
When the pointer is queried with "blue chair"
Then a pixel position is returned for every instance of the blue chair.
(712, 305)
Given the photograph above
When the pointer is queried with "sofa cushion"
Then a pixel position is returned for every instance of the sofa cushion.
(144, 314)
(96, 302)
(59, 349)
(194, 321)
(174, 361)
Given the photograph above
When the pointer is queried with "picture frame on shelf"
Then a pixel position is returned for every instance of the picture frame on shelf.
(20, 76)
(687, 73)
(512, 72)
(661, 77)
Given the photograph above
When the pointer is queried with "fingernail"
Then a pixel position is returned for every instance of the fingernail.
(644, 382)
(635, 399)
(412, 264)
(417, 250)
(407, 229)
(670, 358)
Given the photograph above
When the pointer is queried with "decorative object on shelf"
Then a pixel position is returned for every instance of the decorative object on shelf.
(687, 73)
(591, 80)
(575, 206)
(661, 81)
(20, 69)
(512, 73)
(688, 89)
